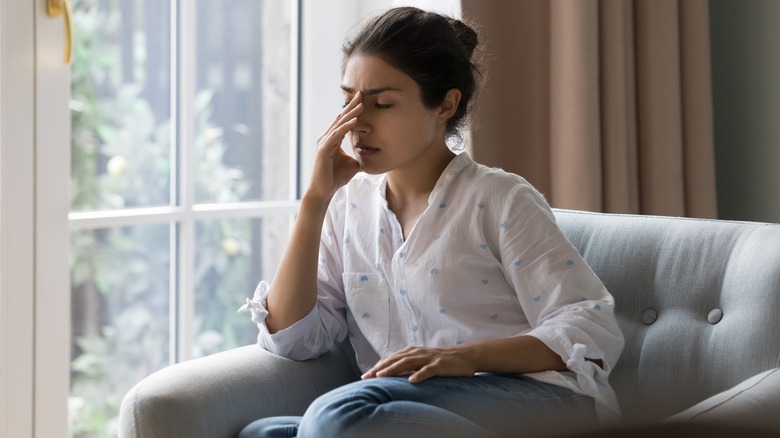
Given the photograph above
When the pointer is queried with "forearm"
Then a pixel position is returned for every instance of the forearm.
(517, 355)
(520, 354)
(294, 290)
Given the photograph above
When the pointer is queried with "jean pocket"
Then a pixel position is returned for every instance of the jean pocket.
(368, 301)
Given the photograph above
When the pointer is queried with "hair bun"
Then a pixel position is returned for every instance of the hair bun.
(466, 35)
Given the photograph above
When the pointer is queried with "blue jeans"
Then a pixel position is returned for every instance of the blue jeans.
(486, 405)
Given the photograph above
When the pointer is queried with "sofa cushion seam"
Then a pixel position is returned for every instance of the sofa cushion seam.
(734, 395)
(133, 406)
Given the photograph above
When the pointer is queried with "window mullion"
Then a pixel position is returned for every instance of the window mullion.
(184, 307)
(296, 42)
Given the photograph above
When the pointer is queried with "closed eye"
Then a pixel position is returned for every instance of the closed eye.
(382, 105)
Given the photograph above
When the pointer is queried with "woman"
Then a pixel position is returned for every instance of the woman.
(469, 312)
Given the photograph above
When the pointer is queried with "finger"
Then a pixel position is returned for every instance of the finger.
(379, 366)
(339, 129)
(404, 366)
(332, 141)
(356, 100)
(423, 373)
(395, 357)
(406, 352)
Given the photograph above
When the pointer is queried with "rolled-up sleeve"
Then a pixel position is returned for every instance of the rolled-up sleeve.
(567, 306)
(326, 324)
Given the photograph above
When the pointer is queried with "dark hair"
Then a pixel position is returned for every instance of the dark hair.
(433, 49)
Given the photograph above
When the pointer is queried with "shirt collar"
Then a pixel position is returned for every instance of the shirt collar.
(453, 169)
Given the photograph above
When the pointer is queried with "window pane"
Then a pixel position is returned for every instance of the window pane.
(242, 105)
(233, 256)
(120, 313)
(120, 105)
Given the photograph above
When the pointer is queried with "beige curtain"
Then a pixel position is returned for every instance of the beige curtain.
(603, 105)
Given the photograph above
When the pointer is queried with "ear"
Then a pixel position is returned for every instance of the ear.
(449, 105)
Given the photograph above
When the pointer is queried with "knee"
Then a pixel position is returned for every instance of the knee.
(340, 412)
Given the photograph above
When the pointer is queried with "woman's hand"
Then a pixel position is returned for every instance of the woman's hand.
(515, 355)
(333, 168)
(421, 363)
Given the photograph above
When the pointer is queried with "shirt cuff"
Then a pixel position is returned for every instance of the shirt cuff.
(257, 305)
(591, 378)
(289, 342)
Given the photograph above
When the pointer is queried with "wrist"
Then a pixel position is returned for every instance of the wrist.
(470, 355)
(316, 199)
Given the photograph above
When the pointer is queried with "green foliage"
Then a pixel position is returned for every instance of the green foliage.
(121, 158)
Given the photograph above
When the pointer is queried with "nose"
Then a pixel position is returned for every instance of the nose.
(362, 126)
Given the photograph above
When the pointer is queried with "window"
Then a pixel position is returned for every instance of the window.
(183, 183)
(186, 172)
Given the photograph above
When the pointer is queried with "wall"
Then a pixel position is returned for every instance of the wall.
(746, 92)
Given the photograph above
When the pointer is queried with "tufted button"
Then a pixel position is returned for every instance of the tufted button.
(715, 316)
(649, 316)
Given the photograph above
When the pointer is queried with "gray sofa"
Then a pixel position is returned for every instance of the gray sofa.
(697, 300)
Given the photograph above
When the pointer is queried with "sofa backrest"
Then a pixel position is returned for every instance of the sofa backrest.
(698, 302)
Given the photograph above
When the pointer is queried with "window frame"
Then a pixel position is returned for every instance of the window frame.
(183, 213)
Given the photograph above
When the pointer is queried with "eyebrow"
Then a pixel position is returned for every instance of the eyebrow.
(369, 92)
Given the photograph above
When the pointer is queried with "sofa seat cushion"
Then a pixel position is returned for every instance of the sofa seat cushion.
(754, 402)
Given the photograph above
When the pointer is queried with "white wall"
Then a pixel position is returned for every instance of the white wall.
(746, 91)
(326, 25)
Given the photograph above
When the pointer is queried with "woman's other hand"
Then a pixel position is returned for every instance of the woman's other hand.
(421, 363)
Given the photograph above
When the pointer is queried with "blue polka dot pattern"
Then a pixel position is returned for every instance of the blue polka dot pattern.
(480, 206)
(537, 298)
(442, 205)
(503, 225)
(494, 316)
(482, 245)
(434, 272)
(597, 307)
(364, 278)
(364, 315)
(518, 262)
(402, 291)
(484, 281)
(570, 262)
(442, 310)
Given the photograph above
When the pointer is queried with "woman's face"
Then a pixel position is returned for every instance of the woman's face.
(395, 129)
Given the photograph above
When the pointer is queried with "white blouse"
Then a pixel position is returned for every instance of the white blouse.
(485, 260)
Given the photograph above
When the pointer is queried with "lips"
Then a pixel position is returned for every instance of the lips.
(363, 149)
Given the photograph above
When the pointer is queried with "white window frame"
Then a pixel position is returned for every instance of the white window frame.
(34, 240)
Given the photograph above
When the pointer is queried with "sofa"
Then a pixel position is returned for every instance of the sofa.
(698, 302)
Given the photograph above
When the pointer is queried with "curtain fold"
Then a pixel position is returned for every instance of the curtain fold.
(603, 105)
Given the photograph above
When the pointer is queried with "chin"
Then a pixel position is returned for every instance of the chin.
(371, 170)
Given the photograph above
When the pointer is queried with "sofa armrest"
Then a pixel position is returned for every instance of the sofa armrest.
(754, 402)
(216, 396)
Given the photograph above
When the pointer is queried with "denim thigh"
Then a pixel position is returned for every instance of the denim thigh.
(483, 405)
